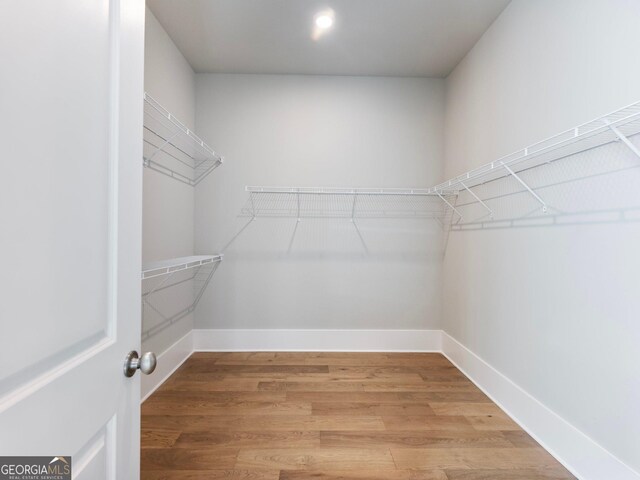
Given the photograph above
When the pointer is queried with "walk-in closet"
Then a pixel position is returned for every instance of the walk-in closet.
(328, 240)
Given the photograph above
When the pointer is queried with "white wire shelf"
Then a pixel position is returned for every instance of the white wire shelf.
(171, 273)
(164, 267)
(343, 191)
(335, 202)
(615, 126)
(172, 149)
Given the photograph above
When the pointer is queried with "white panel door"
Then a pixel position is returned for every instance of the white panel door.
(71, 91)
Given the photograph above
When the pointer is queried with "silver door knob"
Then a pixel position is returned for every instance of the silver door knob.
(146, 364)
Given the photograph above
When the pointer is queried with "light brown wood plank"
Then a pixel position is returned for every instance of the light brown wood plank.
(199, 383)
(261, 439)
(210, 475)
(386, 397)
(205, 423)
(471, 458)
(381, 371)
(187, 458)
(158, 437)
(171, 396)
(405, 378)
(207, 367)
(548, 473)
(384, 409)
(428, 422)
(433, 438)
(316, 459)
(312, 386)
(372, 386)
(186, 374)
(449, 375)
(402, 374)
(364, 475)
(493, 422)
(426, 386)
(465, 408)
(203, 407)
(519, 438)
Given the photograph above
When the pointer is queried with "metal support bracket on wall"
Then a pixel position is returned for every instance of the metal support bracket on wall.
(478, 199)
(534, 194)
(253, 205)
(623, 138)
(450, 206)
(353, 208)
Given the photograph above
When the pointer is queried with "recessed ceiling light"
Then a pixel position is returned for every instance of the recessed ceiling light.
(324, 21)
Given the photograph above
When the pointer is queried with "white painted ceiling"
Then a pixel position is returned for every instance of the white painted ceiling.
(369, 37)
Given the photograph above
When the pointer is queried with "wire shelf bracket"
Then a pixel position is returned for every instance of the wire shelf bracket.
(454, 209)
(477, 199)
(524, 184)
(623, 138)
(172, 149)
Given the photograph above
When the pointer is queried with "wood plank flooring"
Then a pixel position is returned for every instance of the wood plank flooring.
(332, 416)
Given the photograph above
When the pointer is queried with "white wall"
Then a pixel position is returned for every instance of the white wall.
(168, 205)
(319, 131)
(554, 308)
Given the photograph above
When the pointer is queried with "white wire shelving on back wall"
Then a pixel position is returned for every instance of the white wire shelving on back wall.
(353, 203)
(174, 150)
(299, 202)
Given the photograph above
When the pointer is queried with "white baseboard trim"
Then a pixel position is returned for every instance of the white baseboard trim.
(317, 340)
(168, 362)
(578, 453)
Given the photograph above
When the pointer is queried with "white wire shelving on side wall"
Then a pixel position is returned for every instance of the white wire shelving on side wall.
(166, 267)
(616, 126)
(173, 149)
(175, 272)
(353, 203)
